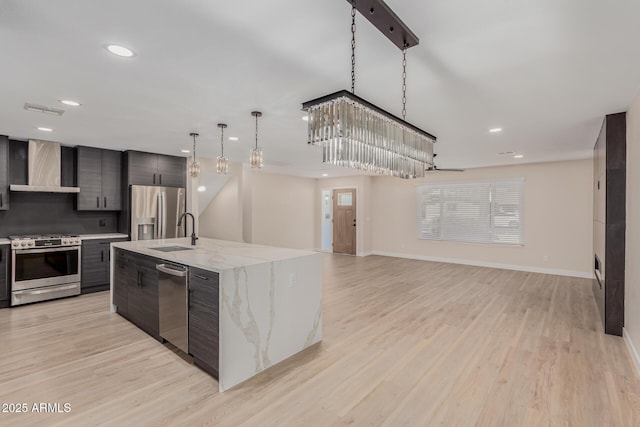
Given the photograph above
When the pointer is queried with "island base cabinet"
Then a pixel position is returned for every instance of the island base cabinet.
(120, 283)
(136, 291)
(203, 319)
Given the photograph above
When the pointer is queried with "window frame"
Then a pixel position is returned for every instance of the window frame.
(492, 183)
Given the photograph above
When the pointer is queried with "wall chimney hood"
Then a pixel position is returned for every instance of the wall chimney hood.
(44, 169)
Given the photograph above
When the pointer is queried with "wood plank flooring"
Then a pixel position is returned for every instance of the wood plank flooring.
(406, 343)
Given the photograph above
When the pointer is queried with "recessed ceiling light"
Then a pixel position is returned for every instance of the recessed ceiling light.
(43, 129)
(70, 103)
(494, 130)
(325, 174)
(202, 188)
(185, 151)
(233, 138)
(305, 118)
(120, 50)
(518, 156)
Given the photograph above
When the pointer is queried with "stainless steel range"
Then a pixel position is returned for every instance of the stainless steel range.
(44, 267)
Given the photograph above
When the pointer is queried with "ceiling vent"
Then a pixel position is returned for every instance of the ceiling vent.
(43, 109)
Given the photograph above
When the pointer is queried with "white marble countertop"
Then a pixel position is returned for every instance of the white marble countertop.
(211, 254)
(104, 236)
(4, 241)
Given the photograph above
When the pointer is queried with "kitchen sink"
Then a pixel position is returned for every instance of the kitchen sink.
(171, 248)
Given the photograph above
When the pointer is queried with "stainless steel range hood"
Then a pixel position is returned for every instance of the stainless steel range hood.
(44, 169)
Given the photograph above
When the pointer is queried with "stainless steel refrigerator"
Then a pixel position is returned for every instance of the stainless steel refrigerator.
(155, 212)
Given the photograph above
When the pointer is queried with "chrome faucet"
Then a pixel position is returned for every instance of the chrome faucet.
(193, 226)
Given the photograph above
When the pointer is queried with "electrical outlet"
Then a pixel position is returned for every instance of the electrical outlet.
(545, 258)
(292, 279)
(102, 223)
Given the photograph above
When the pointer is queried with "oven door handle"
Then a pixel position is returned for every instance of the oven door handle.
(43, 250)
(47, 290)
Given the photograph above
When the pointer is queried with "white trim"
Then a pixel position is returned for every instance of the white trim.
(632, 350)
(557, 272)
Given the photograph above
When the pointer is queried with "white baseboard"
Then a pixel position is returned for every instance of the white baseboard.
(632, 350)
(557, 272)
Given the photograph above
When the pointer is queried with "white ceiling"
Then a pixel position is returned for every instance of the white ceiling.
(545, 71)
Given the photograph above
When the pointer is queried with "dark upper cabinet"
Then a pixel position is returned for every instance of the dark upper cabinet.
(156, 169)
(4, 273)
(172, 171)
(203, 319)
(99, 178)
(4, 173)
(142, 168)
(95, 264)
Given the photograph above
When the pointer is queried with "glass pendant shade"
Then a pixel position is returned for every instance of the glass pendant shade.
(222, 165)
(255, 158)
(355, 133)
(194, 169)
(194, 166)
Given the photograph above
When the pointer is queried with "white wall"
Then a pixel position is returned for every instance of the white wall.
(223, 218)
(558, 217)
(632, 267)
(284, 210)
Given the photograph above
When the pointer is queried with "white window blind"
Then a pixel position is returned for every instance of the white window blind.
(481, 211)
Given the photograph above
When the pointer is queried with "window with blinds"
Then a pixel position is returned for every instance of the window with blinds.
(480, 212)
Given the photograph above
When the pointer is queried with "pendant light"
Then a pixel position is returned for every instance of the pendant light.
(194, 166)
(357, 134)
(255, 159)
(222, 165)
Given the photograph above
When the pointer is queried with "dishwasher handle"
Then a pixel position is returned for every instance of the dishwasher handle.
(173, 271)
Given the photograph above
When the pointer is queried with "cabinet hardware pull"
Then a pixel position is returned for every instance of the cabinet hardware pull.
(1, 201)
(101, 256)
(154, 178)
(197, 276)
(190, 293)
(98, 202)
(105, 201)
(160, 175)
(139, 278)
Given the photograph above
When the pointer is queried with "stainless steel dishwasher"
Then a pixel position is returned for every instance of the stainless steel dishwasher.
(173, 304)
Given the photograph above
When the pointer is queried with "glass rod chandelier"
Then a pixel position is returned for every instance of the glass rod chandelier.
(357, 134)
(222, 164)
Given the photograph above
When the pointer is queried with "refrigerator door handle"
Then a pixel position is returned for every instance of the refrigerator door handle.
(159, 216)
(163, 218)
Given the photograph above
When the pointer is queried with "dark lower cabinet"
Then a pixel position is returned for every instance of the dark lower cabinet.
(136, 290)
(4, 173)
(203, 319)
(95, 265)
(4, 276)
(121, 273)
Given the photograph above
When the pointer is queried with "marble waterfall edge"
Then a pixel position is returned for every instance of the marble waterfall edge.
(268, 312)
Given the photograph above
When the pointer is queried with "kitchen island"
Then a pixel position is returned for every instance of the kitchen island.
(268, 307)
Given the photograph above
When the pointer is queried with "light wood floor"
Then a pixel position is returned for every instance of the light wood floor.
(406, 343)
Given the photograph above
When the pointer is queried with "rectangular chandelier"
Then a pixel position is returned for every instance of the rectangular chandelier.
(357, 134)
